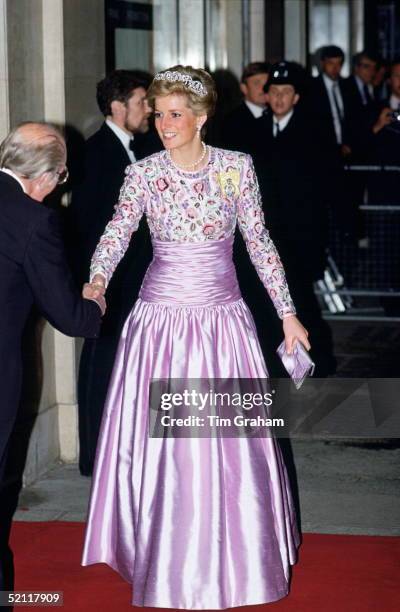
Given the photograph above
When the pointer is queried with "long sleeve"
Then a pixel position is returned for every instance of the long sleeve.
(117, 234)
(260, 246)
(51, 283)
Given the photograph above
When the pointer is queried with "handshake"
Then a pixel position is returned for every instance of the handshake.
(95, 291)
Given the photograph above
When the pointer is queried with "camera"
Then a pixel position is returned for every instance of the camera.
(395, 115)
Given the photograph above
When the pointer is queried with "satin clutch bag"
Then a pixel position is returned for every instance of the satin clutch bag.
(299, 364)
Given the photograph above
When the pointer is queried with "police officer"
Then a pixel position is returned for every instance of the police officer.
(294, 188)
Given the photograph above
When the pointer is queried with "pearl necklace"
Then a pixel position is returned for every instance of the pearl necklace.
(196, 163)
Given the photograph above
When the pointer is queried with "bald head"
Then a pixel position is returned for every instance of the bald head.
(31, 149)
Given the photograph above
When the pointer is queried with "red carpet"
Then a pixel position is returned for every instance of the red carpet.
(335, 573)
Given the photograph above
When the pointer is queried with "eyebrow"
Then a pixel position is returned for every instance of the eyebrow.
(170, 110)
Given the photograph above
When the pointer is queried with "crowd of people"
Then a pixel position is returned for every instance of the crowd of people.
(307, 136)
(300, 134)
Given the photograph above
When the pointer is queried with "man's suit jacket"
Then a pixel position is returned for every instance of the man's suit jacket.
(383, 187)
(353, 94)
(294, 190)
(386, 143)
(33, 269)
(362, 117)
(92, 207)
(319, 107)
(241, 130)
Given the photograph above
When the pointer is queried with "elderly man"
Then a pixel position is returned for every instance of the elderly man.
(33, 270)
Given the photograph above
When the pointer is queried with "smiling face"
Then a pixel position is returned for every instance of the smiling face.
(175, 122)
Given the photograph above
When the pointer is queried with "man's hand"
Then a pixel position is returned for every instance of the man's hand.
(95, 291)
(383, 120)
(345, 150)
(92, 291)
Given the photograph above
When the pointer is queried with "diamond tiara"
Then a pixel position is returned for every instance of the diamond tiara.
(173, 75)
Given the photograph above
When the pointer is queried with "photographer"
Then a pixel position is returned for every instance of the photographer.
(383, 188)
(385, 142)
(387, 127)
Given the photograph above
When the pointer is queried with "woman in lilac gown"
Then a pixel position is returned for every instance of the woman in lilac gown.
(191, 523)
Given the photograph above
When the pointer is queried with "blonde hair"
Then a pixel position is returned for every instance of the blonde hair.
(200, 105)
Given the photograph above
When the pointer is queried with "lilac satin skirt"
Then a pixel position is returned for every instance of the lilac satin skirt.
(191, 523)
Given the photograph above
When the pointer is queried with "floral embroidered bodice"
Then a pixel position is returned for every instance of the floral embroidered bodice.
(196, 206)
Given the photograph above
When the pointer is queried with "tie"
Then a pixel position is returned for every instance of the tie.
(335, 92)
(367, 95)
(276, 129)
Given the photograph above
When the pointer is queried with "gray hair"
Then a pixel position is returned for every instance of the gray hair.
(31, 149)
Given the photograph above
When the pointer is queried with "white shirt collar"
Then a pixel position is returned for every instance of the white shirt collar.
(122, 136)
(360, 82)
(328, 81)
(394, 102)
(11, 173)
(360, 85)
(255, 110)
(284, 120)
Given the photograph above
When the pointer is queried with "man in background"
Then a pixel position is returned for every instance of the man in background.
(240, 129)
(33, 270)
(359, 91)
(359, 84)
(328, 102)
(383, 187)
(119, 142)
(295, 203)
(330, 110)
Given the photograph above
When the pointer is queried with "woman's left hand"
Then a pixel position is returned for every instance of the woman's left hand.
(293, 330)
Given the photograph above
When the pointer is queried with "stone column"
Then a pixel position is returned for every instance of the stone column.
(295, 31)
(191, 33)
(52, 53)
(4, 94)
(165, 35)
(257, 31)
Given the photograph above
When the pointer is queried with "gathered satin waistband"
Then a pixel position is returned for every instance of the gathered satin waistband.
(189, 273)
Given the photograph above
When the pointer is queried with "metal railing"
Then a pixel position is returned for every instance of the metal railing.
(372, 271)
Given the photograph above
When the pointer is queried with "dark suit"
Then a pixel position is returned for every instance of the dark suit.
(343, 208)
(33, 269)
(386, 143)
(319, 107)
(293, 185)
(91, 208)
(240, 130)
(362, 117)
(383, 188)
